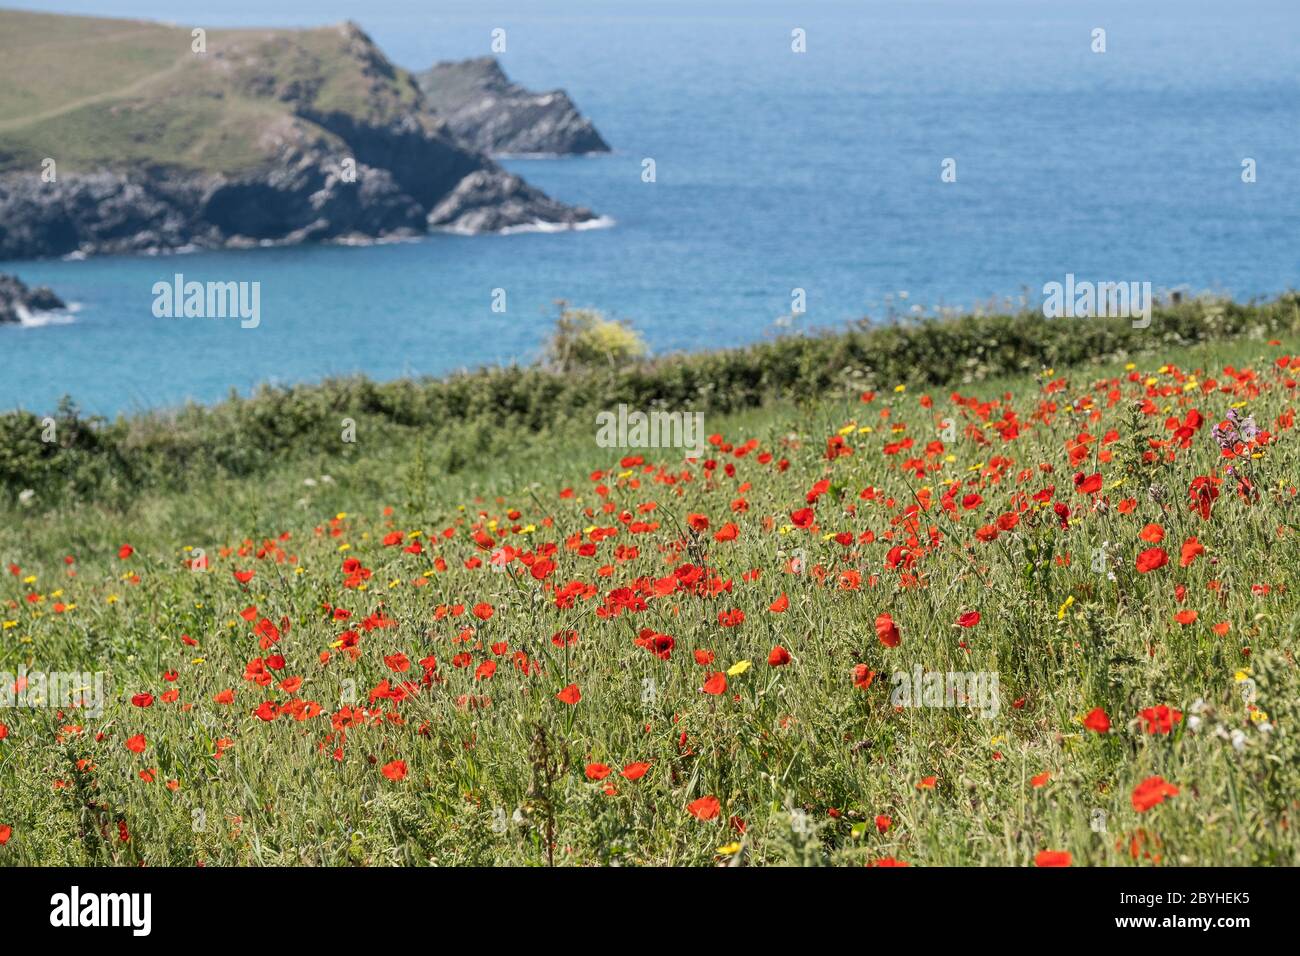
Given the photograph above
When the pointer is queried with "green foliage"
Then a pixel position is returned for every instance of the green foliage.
(242, 437)
(584, 339)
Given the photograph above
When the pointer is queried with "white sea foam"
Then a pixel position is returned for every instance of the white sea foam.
(188, 249)
(28, 319)
(537, 225)
(362, 241)
(600, 222)
(591, 155)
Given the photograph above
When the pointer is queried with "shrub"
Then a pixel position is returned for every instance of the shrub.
(585, 339)
(97, 460)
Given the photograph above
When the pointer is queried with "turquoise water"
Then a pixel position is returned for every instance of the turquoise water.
(775, 171)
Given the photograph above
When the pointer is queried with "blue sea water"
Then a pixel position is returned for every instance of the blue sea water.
(775, 171)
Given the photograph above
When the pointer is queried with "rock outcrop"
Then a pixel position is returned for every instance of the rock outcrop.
(496, 201)
(18, 301)
(491, 114)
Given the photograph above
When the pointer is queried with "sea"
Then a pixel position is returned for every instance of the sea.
(815, 163)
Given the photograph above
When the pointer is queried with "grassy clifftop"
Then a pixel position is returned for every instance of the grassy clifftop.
(96, 93)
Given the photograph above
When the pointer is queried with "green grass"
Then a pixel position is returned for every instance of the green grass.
(801, 758)
(49, 61)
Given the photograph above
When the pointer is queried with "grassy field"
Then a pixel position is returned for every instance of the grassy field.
(561, 653)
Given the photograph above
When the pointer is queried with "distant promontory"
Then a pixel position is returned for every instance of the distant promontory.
(491, 114)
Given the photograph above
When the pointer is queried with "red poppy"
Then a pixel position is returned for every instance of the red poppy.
(1053, 858)
(887, 631)
(266, 711)
(597, 771)
(1097, 721)
(6, 832)
(635, 771)
(779, 605)
(570, 695)
(779, 657)
(803, 518)
(863, 676)
(136, 744)
(1151, 792)
(1160, 720)
(705, 808)
(1202, 493)
(1089, 485)
(716, 684)
(1150, 559)
(969, 619)
(395, 770)
(1152, 533)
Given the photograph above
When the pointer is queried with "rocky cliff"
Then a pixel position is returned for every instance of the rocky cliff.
(141, 141)
(491, 114)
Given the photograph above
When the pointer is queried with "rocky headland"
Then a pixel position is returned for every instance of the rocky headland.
(142, 142)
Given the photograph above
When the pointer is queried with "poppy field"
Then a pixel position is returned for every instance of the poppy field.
(1046, 620)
